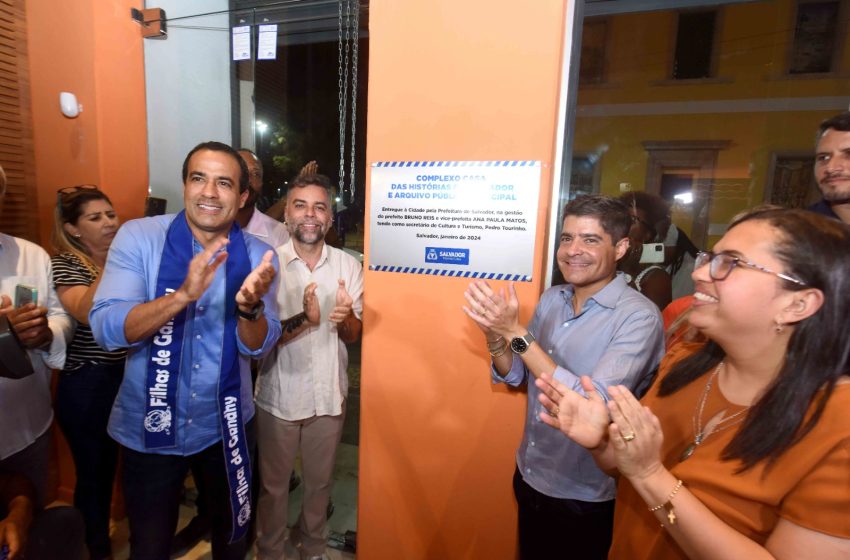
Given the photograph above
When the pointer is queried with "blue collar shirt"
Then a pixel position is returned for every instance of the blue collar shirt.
(129, 279)
(824, 209)
(616, 339)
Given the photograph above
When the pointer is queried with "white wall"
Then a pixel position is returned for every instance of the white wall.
(187, 78)
(247, 110)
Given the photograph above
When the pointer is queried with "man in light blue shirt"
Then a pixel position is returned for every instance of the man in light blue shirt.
(595, 325)
(192, 315)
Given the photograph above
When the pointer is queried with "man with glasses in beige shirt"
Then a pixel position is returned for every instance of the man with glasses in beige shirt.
(302, 384)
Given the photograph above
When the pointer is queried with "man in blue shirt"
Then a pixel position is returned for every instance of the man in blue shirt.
(192, 315)
(595, 325)
(832, 167)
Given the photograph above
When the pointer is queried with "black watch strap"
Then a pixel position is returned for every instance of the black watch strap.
(254, 314)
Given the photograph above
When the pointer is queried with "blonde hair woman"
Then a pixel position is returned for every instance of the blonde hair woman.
(83, 230)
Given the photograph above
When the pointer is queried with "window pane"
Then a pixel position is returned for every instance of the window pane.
(814, 38)
(715, 147)
(592, 69)
(694, 45)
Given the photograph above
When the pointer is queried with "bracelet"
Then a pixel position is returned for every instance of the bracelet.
(492, 343)
(668, 505)
(497, 353)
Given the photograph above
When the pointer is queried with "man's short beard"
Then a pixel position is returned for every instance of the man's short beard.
(301, 238)
(837, 197)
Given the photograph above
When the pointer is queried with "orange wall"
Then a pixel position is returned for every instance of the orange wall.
(122, 118)
(93, 49)
(448, 80)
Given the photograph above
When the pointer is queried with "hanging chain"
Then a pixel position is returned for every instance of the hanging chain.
(342, 84)
(356, 27)
(350, 45)
(341, 98)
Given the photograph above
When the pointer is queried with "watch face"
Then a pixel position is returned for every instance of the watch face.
(519, 345)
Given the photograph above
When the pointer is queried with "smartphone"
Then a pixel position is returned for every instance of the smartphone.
(652, 253)
(25, 294)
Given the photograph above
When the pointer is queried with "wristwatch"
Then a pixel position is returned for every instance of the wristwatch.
(520, 344)
(254, 314)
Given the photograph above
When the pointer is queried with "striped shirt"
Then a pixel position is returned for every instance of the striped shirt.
(69, 270)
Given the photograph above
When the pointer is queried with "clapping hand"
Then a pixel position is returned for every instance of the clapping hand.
(582, 419)
(343, 303)
(493, 312)
(635, 435)
(202, 269)
(311, 304)
(256, 284)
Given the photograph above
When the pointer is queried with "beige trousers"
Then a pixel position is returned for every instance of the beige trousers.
(278, 443)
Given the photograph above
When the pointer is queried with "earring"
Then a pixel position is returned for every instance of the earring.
(778, 327)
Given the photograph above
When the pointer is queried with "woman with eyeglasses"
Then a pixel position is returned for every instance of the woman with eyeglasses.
(742, 447)
(85, 224)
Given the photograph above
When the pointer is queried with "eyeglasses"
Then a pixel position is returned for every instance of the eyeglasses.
(72, 190)
(720, 265)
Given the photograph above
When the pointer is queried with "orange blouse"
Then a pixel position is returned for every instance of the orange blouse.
(672, 312)
(808, 485)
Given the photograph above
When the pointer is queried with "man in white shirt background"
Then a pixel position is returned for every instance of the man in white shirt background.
(249, 217)
(303, 384)
(43, 329)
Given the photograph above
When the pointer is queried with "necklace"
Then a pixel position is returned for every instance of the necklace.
(701, 433)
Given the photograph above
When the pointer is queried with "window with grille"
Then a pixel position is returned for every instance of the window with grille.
(594, 37)
(816, 27)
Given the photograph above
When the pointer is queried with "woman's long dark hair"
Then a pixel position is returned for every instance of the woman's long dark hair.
(815, 250)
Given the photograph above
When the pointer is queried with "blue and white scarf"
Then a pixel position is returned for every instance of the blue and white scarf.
(165, 361)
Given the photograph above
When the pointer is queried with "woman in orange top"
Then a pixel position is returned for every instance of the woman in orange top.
(676, 326)
(742, 448)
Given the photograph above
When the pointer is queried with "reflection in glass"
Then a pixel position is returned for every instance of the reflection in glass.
(715, 109)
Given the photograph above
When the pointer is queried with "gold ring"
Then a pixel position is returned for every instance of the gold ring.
(628, 437)
(554, 412)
